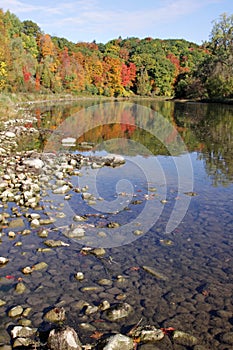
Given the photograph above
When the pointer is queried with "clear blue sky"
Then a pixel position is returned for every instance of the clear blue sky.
(103, 20)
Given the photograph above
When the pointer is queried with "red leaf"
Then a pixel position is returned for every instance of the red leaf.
(9, 277)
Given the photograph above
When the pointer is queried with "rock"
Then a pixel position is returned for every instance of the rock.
(2, 302)
(138, 232)
(10, 134)
(35, 223)
(79, 276)
(3, 260)
(64, 339)
(24, 322)
(91, 310)
(47, 221)
(116, 342)
(34, 216)
(113, 160)
(227, 338)
(52, 243)
(34, 163)
(43, 234)
(55, 315)
(118, 311)
(61, 190)
(104, 282)
(148, 333)
(98, 251)
(20, 288)
(11, 234)
(40, 266)
(79, 218)
(183, 338)
(76, 233)
(113, 225)
(24, 343)
(15, 311)
(27, 270)
(155, 273)
(24, 332)
(86, 195)
(16, 223)
(105, 305)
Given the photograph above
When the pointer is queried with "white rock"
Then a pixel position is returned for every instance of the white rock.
(3, 260)
(36, 163)
(61, 190)
(10, 134)
(35, 223)
(25, 332)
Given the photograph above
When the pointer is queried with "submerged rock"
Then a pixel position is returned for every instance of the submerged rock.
(15, 311)
(55, 315)
(155, 273)
(118, 311)
(53, 244)
(183, 338)
(20, 288)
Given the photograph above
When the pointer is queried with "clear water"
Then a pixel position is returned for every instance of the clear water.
(172, 150)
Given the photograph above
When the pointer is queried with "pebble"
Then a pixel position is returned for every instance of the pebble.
(15, 311)
(20, 288)
(55, 315)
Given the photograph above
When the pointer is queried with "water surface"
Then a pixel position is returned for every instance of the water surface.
(187, 151)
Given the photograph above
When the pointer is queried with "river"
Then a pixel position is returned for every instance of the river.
(170, 207)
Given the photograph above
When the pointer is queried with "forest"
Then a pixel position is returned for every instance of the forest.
(36, 62)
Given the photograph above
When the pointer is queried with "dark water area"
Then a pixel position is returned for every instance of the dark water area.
(173, 200)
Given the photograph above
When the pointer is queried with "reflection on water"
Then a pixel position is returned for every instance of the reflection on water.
(205, 128)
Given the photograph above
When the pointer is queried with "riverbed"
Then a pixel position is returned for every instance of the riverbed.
(148, 182)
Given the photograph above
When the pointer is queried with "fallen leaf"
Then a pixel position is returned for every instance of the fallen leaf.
(97, 335)
(134, 268)
(9, 277)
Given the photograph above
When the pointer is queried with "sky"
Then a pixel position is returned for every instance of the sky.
(104, 20)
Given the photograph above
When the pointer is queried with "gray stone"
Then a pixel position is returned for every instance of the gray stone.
(76, 233)
(118, 311)
(64, 339)
(183, 338)
(116, 342)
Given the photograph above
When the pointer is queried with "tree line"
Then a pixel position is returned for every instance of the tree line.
(32, 61)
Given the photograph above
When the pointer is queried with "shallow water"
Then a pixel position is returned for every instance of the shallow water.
(190, 153)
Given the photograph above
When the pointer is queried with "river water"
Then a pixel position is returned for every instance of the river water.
(172, 202)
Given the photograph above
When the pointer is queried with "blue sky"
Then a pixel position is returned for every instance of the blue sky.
(103, 20)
